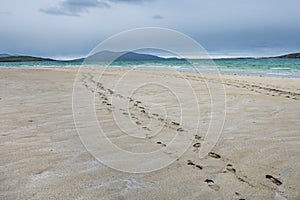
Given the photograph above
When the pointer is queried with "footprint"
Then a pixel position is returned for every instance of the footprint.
(162, 144)
(274, 180)
(199, 167)
(110, 91)
(134, 117)
(241, 179)
(175, 123)
(146, 128)
(209, 181)
(197, 145)
(214, 155)
(138, 123)
(212, 185)
(230, 168)
(198, 137)
(189, 162)
(238, 194)
(180, 130)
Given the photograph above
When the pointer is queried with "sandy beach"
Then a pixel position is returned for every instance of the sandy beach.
(256, 155)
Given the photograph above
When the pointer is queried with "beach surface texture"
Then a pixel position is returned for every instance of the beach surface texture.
(50, 148)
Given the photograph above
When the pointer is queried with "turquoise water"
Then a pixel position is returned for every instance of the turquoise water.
(257, 67)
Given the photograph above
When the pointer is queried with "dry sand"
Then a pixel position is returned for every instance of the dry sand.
(257, 155)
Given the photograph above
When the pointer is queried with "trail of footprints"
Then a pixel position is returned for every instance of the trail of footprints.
(267, 90)
(262, 89)
(229, 169)
(137, 109)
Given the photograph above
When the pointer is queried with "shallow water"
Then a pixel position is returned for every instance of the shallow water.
(257, 67)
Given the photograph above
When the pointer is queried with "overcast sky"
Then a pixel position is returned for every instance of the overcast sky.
(71, 28)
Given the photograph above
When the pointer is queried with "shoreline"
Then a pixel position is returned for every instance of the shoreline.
(153, 69)
(243, 67)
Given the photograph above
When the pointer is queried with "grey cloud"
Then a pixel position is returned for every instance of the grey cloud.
(130, 1)
(222, 27)
(157, 17)
(5, 12)
(75, 7)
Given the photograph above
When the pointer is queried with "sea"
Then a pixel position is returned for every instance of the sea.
(289, 68)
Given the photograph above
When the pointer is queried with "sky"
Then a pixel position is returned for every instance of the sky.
(72, 28)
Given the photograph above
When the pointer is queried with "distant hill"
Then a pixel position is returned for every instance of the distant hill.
(98, 57)
(124, 56)
(23, 59)
(292, 55)
(3, 55)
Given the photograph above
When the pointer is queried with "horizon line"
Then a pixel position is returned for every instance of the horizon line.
(210, 56)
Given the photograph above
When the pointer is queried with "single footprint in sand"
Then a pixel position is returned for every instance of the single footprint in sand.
(189, 162)
(146, 128)
(110, 91)
(175, 123)
(196, 146)
(274, 180)
(198, 137)
(230, 168)
(180, 130)
(238, 194)
(214, 155)
(212, 185)
(162, 144)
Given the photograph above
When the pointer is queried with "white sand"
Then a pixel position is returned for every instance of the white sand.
(42, 156)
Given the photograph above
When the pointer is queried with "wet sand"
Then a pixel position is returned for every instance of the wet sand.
(257, 154)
